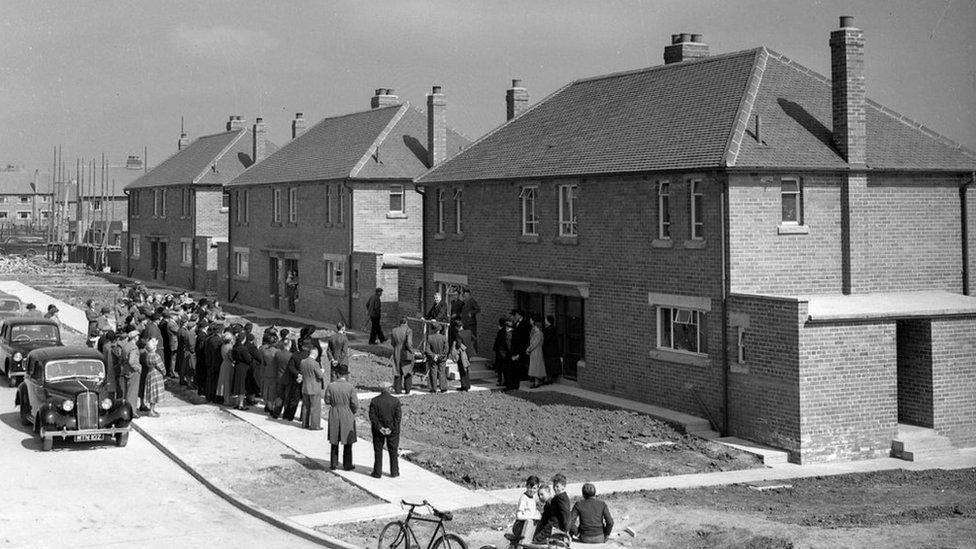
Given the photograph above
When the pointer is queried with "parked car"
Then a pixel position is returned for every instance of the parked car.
(64, 396)
(21, 335)
(24, 245)
(10, 306)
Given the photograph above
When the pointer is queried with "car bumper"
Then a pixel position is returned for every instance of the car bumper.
(65, 433)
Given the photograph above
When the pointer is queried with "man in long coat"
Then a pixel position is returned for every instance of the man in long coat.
(384, 420)
(437, 351)
(200, 361)
(186, 352)
(341, 397)
(402, 340)
(212, 354)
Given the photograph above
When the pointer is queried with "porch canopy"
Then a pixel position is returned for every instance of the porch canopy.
(547, 286)
(889, 305)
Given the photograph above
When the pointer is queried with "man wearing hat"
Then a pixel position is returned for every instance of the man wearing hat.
(341, 397)
(52, 313)
(384, 420)
(131, 370)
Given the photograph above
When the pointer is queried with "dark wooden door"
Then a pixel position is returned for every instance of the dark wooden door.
(570, 331)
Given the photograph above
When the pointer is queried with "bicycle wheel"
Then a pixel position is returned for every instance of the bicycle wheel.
(394, 536)
(450, 541)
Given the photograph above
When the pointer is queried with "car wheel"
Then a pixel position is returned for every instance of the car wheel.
(31, 252)
(25, 412)
(121, 439)
(47, 443)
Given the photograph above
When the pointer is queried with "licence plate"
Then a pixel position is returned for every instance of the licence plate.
(87, 438)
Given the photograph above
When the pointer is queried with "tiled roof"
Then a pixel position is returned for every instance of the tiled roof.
(692, 115)
(193, 165)
(19, 182)
(387, 142)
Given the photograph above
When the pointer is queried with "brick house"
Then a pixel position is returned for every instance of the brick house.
(26, 199)
(735, 237)
(336, 205)
(177, 212)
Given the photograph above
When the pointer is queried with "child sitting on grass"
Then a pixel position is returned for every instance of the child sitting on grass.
(527, 513)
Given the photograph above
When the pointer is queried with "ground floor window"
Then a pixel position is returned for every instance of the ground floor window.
(682, 330)
(186, 252)
(242, 258)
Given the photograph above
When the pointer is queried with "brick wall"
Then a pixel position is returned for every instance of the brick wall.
(410, 287)
(378, 230)
(211, 217)
(848, 390)
(971, 236)
(614, 253)
(169, 229)
(764, 394)
(954, 379)
(915, 372)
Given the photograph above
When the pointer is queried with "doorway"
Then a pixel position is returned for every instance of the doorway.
(161, 271)
(291, 283)
(274, 281)
(915, 387)
(569, 330)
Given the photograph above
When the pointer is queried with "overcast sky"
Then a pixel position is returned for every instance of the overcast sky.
(114, 76)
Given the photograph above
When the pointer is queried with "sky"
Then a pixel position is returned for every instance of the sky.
(116, 77)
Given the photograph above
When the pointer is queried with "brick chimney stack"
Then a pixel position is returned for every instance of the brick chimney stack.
(298, 125)
(847, 91)
(384, 98)
(685, 47)
(436, 127)
(183, 143)
(516, 100)
(259, 148)
(236, 122)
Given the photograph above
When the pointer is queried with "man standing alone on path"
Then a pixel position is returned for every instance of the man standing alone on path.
(437, 351)
(341, 397)
(313, 378)
(402, 340)
(384, 419)
(374, 307)
(337, 351)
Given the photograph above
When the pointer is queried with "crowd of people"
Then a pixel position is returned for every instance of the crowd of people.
(526, 347)
(544, 510)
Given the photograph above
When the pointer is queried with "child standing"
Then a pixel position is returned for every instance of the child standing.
(527, 513)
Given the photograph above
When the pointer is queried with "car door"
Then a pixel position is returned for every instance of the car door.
(4, 345)
(34, 380)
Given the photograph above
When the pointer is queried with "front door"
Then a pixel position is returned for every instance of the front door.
(292, 284)
(274, 281)
(162, 260)
(569, 330)
(154, 256)
(532, 304)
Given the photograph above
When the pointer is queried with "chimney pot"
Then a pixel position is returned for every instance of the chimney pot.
(384, 98)
(298, 125)
(379, 91)
(516, 83)
(685, 47)
(686, 37)
(436, 89)
(846, 21)
(675, 38)
(298, 115)
(696, 38)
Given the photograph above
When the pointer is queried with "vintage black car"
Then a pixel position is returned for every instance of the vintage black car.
(21, 335)
(64, 396)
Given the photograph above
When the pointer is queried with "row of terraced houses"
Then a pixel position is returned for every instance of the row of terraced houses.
(730, 236)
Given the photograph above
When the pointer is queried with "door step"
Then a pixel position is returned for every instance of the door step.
(915, 443)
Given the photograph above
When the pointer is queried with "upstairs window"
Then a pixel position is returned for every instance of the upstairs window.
(396, 199)
(241, 209)
(530, 223)
(186, 203)
(162, 203)
(342, 205)
(276, 205)
(156, 209)
(242, 262)
(664, 210)
(225, 201)
(293, 205)
(458, 209)
(441, 222)
(682, 330)
(25, 200)
(328, 203)
(96, 205)
(791, 198)
(567, 210)
(697, 210)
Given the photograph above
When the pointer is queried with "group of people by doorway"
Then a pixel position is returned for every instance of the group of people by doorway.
(526, 348)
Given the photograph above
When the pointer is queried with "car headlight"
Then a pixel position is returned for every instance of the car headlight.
(68, 405)
(18, 356)
(106, 403)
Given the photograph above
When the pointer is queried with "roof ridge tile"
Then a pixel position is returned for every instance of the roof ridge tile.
(379, 139)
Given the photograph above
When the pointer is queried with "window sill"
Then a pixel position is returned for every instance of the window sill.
(695, 244)
(458, 236)
(662, 243)
(529, 238)
(792, 228)
(439, 236)
(224, 209)
(396, 215)
(292, 224)
(679, 357)
(327, 225)
(276, 223)
(334, 291)
(567, 240)
(241, 278)
(738, 368)
(184, 264)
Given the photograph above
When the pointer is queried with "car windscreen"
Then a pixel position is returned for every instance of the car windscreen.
(33, 332)
(85, 368)
(9, 305)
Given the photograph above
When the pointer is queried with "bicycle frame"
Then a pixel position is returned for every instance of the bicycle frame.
(439, 531)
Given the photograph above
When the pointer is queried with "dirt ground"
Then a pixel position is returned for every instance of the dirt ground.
(495, 440)
(933, 508)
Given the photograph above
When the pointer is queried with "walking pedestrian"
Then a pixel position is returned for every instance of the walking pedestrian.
(341, 397)
(313, 379)
(293, 389)
(374, 307)
(402, 340)
(384, 420)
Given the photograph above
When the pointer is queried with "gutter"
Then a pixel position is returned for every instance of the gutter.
(965, 232)
(423, 242)
(349, 221)
(725, 311)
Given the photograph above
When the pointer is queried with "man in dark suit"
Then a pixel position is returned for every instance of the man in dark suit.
(337, 350)
(374, 308)
(437, 351)
(384, 418)
(520, 343)
(402, 340)
(199, 348)
(212, 353)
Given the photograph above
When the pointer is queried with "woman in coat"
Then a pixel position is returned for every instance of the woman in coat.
(225, 378)
(341, 397)
(243, 361)
(269, 374)
(537, 363)
(155, 381)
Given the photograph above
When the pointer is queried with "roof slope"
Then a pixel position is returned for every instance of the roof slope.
(387, 142)
(693, 115)
(189, 166)
(20, 181)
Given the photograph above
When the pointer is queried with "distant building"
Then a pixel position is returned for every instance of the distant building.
(177, 211)
(25, 199)
(337, 206)
(735, 237)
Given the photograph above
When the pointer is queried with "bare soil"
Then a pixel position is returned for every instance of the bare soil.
(495, 440)
(933, 508)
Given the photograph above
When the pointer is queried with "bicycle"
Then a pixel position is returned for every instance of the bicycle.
(399, 534)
